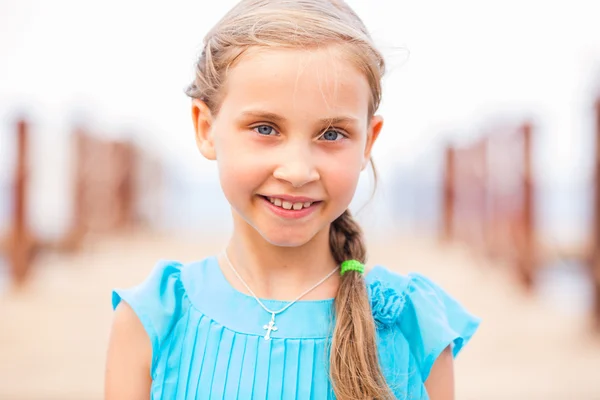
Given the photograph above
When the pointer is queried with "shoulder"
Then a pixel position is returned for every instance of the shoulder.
(393, 294)
(160, 287)
(128, 333)
(128, 358)
(429, 318)
(158, 302)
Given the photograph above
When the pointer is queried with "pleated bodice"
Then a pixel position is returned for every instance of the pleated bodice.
(208, 338)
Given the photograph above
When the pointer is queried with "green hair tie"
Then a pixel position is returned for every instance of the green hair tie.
(352, 265)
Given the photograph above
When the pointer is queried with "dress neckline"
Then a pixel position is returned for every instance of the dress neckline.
(212, 294)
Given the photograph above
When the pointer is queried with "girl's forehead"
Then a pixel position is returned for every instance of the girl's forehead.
(305, 80)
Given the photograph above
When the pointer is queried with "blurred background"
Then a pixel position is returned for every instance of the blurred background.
(489, 166)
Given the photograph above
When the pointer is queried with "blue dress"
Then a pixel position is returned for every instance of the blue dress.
(208, 338)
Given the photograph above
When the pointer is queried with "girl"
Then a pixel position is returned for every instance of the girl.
(284, 100)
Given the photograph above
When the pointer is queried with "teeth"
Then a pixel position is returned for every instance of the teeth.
(289, 205)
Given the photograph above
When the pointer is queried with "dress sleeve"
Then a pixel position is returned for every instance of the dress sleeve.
(159, 301)
(432, 320)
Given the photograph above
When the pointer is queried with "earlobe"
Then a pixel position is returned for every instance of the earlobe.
(202, 119)
(372, 135)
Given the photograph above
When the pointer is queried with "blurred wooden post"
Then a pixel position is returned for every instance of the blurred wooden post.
(125, 188)
(103, 190)
(79, 209)
(449, 195)
(482, 175)
(76, 232)
(525, 226)
(20, 245)
(596, 228)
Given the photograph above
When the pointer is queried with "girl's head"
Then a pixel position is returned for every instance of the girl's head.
(284, 99)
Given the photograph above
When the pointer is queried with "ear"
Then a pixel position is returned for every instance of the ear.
(372, 135)
(202, 118)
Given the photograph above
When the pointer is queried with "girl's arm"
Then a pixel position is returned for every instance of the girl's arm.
(440, 383)
(128, 359)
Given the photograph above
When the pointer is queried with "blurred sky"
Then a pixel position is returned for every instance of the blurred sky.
(455, 68)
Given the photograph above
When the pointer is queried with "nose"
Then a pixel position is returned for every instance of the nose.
(296, 167)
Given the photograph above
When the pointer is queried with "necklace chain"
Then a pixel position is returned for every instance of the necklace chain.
(273, 313)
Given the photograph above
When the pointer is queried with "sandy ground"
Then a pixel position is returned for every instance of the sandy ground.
(53, 333)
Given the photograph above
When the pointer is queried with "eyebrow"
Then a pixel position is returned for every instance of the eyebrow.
(280, 119)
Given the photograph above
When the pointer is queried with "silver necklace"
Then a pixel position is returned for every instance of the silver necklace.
(270, 327)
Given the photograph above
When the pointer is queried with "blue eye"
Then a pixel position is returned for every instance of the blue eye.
(264, 130)
(332, 135)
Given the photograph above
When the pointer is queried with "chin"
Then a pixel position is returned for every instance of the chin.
(292, 237)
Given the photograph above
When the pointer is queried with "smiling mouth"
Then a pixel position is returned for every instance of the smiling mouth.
(288, 205)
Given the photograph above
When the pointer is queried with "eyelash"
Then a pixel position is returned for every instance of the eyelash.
(344, 135)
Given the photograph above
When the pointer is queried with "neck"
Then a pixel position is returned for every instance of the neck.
(281, 273)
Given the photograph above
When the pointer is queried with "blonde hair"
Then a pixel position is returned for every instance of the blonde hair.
(354, 366)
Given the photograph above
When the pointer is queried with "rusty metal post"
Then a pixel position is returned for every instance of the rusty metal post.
(449, 194)
(20, 245)
(125, 157)
(595, 264)
(483, 194)
(127, 188)
(527, 256)
(76, 232)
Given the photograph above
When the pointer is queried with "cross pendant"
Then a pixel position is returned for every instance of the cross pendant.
(270, 327)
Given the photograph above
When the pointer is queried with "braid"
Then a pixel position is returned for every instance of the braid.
(355, 370)
(346, 239)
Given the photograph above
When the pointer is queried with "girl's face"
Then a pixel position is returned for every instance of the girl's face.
(290, 138)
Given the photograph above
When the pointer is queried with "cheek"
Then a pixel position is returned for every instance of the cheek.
(341, 178)
(240, 170)
(238, 176)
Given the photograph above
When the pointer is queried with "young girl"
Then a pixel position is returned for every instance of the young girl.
(284, 100)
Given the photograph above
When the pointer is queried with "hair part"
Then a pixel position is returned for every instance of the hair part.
(308, 24)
